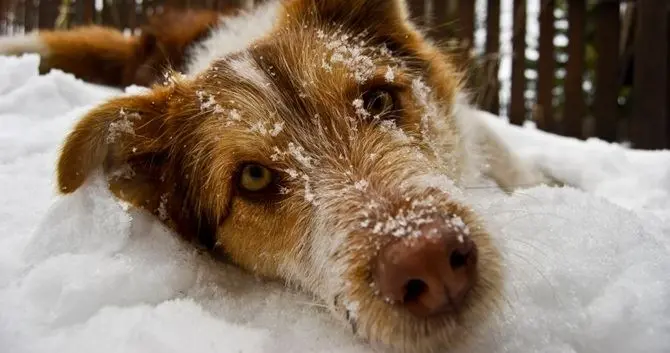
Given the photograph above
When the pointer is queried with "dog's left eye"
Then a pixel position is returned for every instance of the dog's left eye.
(255, 177)
(378, 102)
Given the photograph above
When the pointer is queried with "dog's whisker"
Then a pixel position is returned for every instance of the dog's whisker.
(312, 304)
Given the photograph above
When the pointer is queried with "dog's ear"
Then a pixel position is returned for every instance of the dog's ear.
(134, 141)
(123, 131)
(352, 13)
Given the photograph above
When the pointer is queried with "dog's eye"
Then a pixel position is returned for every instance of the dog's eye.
(379, 102)
(255, 177)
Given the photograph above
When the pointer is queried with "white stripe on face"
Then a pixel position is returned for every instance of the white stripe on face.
(244, 66)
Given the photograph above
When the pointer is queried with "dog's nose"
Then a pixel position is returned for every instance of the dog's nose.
(429, 274)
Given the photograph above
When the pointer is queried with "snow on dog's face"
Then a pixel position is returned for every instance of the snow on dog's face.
(322, 155)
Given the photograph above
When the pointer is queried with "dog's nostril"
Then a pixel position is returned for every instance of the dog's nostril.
(414, 289)
(458, 260)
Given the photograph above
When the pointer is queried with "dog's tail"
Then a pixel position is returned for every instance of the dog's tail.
(92, 53)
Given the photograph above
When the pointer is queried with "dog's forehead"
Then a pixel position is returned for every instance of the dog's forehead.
(298, 74)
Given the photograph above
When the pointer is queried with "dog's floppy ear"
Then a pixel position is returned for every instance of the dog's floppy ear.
(134, 140)
(124, 137)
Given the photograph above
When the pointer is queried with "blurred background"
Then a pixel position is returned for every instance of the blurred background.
(597, 68)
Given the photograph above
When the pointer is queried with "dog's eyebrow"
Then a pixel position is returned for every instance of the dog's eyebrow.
(283, 81)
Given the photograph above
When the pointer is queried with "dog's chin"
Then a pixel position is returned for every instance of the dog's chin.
(392, 327)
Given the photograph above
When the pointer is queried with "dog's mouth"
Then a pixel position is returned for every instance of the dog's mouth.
(426, 286)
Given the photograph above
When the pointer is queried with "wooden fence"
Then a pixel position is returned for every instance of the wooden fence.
(629, 79)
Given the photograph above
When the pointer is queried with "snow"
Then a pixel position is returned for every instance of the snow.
(586, 267)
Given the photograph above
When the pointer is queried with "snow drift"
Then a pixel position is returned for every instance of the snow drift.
(588, 269)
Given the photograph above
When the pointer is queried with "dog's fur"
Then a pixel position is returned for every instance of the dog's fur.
(285, 87)
(106, 56)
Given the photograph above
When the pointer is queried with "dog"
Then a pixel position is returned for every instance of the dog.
(106, 56)
(323, 143)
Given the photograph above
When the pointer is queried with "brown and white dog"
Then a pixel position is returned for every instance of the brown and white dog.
(318, 142)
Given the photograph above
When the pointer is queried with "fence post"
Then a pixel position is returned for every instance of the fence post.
(440, 17)
(607, 37)
(48, 11)
(466, 14)
(491, 101)
(574, 111)
(19, 11)
(667, 85)
(3, 16)
(132, 15)
(107, 13)
(517, 111)
(545, 118)
(418, 11)
(30, 15)
(649, 85)
(122, 10)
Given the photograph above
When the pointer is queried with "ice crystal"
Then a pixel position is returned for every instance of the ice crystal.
(124, 125)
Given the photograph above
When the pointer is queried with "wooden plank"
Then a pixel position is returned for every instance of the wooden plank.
(18, 11)
(31, 15)
(147, 5)
(492, 98)
(575, 107)
(546, 68)
(650, 116)
(605, 106)
(517, 111)
(88, 14)
(3, 16)
(107, 13)
(441, 18)
(48, 12)
(122, 10)
(221, 4)
(131, 15)
(174, 4)
(667, 85)
(466, 14)
(71, 13)
(126, 9)
(78, 16)
(417, 10)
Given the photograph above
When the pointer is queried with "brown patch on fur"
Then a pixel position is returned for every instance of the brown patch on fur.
(92, 53)
(106, 56)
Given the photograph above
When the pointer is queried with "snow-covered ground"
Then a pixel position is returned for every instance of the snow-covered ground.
(588, 269)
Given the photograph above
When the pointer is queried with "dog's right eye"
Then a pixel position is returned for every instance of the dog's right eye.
(255, 177)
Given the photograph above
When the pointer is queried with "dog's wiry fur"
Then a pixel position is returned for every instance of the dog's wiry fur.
(347, 183)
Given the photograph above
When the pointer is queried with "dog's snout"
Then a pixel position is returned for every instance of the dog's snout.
(430, 274)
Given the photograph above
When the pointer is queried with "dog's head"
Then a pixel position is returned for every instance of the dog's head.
(322, 155)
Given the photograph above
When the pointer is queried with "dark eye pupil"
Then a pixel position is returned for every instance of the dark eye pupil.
(255, 172)
(378, 102)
